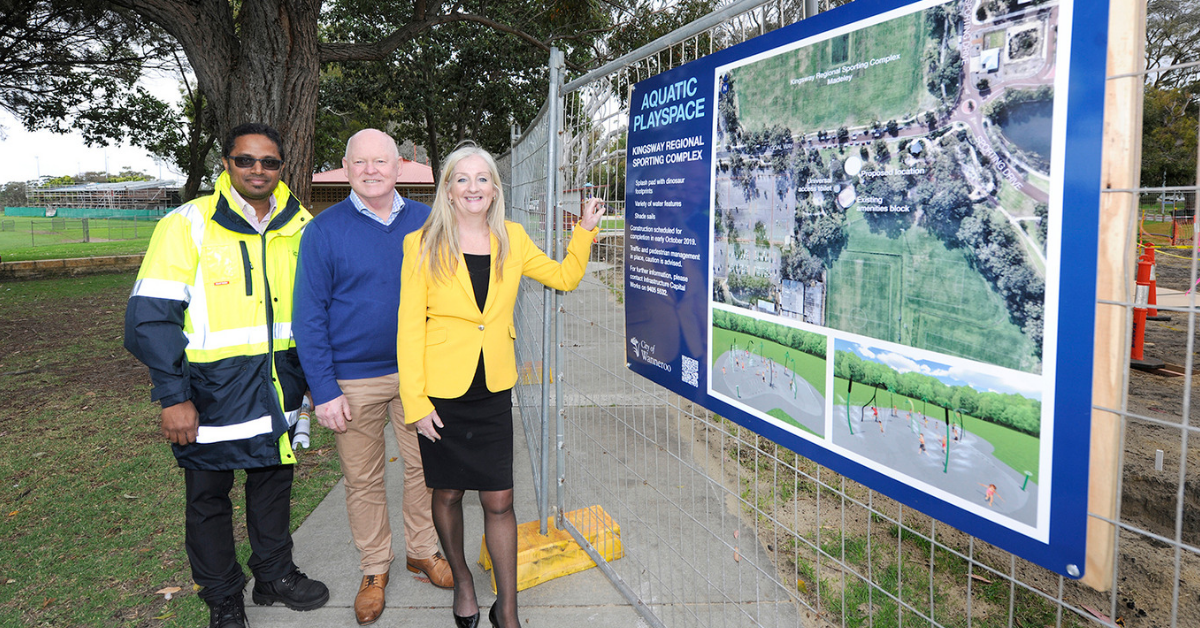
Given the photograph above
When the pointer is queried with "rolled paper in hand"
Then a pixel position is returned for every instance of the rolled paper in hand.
(301, 439)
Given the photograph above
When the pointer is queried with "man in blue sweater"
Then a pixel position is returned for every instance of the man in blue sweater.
(346, 298)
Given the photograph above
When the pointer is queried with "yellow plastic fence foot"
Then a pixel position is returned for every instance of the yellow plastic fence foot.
(542, 558)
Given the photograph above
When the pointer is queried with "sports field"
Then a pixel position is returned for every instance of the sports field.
(766, 95)
(916, 292)
(19, 231)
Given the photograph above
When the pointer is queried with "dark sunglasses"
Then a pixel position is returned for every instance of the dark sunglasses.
(268, 163)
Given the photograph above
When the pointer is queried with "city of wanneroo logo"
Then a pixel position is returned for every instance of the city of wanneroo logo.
(645, 351)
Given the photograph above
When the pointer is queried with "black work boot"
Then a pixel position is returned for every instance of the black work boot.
(296, 590)
(227, 612)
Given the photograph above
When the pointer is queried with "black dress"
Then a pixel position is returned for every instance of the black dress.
(476, 449)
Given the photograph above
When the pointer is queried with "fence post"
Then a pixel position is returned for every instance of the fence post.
(1120, 170)
(552, 124)
(86, 237)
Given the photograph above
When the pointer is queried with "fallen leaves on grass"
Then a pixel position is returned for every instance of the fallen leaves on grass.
(167, 593)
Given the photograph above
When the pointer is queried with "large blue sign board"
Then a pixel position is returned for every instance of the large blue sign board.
(871, 237)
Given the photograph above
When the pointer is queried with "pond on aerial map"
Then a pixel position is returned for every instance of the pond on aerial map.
(1028, 126)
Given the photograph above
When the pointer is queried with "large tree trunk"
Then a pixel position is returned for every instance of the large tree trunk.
(264, 69)
(264, 65)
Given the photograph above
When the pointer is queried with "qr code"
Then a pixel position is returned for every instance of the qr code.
(690, 371)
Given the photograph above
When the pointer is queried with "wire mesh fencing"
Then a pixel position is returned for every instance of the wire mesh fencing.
(21, 231)
(721, 527)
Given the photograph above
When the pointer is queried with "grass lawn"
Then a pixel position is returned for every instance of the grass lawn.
(75, 249)
(607, 222)
(1014, 201)
(766, 96)
(92, 516)
(787, 418)
(1038, 181)
(914, 291)
(994, 39)
(809, 367)
(1015, 449)
(32, 232)
(36, 238)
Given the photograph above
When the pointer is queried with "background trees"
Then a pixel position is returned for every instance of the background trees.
(1007, 409)
(1171, 110)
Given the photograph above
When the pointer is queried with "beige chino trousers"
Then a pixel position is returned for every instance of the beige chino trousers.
(361, 450)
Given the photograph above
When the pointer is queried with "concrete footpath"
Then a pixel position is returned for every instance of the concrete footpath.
(325, 552)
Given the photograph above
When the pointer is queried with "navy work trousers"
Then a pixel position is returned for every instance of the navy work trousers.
(209, 521)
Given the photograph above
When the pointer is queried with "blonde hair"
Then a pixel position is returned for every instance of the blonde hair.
(440, 249)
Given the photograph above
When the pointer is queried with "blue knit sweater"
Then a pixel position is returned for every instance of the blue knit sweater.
(348, 293)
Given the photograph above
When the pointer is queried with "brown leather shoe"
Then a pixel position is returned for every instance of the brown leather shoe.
(435, 568)
(368, 604)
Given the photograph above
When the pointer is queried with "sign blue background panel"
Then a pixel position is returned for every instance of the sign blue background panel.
(828, 345)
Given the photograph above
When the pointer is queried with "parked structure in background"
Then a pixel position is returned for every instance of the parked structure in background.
(109, 198)
(414, 181)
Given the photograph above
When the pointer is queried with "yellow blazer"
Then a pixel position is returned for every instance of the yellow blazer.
(441, 330)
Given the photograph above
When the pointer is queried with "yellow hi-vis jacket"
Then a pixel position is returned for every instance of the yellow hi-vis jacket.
(211, 315)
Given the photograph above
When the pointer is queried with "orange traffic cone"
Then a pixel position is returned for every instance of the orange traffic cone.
(1137, 358)
(1151, 311)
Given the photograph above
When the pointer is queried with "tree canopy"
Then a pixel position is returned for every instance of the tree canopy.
(1007, 409)
(1172, 97)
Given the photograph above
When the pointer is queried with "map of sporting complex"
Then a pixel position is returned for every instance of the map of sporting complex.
(892, 182)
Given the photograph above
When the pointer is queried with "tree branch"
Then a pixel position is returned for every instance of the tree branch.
(378, 51)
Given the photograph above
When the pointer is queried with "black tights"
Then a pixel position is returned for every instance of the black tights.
(500, 529)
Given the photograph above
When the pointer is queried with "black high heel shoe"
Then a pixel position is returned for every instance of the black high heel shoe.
(492, 617)
(467, 622)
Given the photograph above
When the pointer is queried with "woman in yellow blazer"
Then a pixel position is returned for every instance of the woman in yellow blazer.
(457, 361)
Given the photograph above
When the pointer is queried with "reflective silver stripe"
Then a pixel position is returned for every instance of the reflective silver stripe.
(292, 417)
(202, 340)
(162, 289)
(196, 218)
(242, 431)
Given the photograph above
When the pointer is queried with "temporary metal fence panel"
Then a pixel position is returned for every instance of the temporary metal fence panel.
(721, 527)
(526, 200)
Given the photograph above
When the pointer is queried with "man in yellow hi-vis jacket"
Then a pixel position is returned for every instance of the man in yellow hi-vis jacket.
(210, 315)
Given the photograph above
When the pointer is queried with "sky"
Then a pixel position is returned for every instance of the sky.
(25, 156)
(983, 379)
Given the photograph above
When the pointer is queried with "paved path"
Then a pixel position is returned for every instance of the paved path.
(325, 551)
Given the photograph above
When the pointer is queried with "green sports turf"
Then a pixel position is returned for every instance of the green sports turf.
(1015, 449)
(766, 96)
(27, 232)
(914, 291)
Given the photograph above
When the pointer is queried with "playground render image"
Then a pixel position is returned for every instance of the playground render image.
(865, 181)
(969, 433)
(772, 371)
